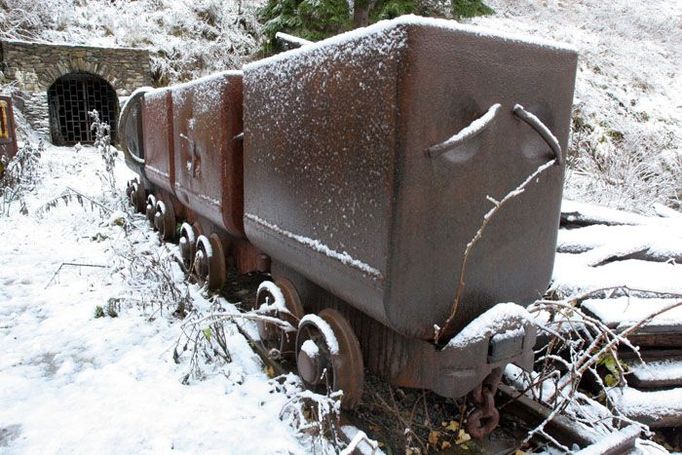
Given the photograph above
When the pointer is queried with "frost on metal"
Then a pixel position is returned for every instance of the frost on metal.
(318, 246)
(495, 320)
(327, 332)
(207, 92)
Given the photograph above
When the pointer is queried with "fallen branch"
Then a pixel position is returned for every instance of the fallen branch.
(71, 264)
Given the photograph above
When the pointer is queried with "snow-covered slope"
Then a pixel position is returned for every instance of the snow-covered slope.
(627, 137)
(188, 38)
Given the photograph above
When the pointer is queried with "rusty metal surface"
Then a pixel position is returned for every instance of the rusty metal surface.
(340, 185)
(207, 115)
(157, 133)
(8, 135)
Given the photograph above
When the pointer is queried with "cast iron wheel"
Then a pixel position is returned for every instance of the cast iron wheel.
(328, 355)
(150, 210)
(274, 338)
(209, 262)
(164, 221)
(188, 245)
(137, 197)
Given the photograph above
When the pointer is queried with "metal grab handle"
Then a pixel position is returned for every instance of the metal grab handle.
(474, 129)
(133, 157)
(542, 130)
(122, 119)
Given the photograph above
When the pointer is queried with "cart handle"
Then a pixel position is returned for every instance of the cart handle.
(542, 129)
(469, 132)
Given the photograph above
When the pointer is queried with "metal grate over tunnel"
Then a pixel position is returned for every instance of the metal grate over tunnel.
(70, 99)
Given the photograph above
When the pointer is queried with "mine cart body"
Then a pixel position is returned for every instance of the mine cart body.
(8, 137)
(157, 132)
(207, 118)
(188, 138)
(356, 178)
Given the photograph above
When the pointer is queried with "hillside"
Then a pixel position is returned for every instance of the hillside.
(626, 149)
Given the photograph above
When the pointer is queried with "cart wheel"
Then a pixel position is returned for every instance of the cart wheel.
(283, 295)
(164, 220)
(209, 262)
(188, 245)
(150, 210)
(328, 354)
(137, 197)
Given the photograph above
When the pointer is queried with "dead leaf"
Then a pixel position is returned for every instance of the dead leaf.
(462, 437)
(453, 426)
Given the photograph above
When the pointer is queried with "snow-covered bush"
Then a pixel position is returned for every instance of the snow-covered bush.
(310, 413)
(188, 38)
(628, 169)
(19, 175)
(109, 155)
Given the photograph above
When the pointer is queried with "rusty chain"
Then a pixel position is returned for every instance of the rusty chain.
(485, 417)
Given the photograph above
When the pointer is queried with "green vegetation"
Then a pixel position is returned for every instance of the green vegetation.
(318, 19)
(470, 8)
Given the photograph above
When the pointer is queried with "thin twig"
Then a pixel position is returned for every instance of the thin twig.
(497, 205)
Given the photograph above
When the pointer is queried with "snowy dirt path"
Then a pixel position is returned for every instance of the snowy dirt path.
(73, 383)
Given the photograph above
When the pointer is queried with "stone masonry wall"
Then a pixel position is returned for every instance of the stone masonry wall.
(36, 66)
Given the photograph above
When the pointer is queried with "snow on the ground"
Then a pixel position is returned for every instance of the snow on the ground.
(668, 370)
(660, 408)
(623, 312)
(73, 383)
(641, 254)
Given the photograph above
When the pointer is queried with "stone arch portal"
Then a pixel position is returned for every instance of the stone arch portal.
(70, 98)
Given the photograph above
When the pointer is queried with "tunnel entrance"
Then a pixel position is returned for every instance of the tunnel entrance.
(70, 98)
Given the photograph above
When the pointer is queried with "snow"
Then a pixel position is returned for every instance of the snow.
(325, 328)
(580, 210)
(72, 383)
(374, 35)
(187, 38)
(310, 348)
(633, 250)
(658, 370)
(279, 303)
(623, 312)
(612, 441)
(359, 442)
(503, 316)
(319, 247)
(660, 406)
